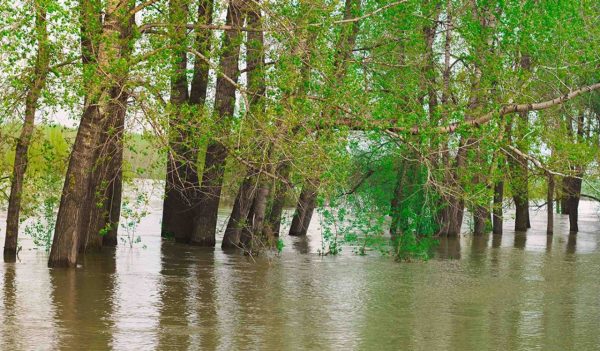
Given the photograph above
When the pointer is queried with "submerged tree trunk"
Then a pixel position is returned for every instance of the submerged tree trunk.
(497, 211)
(207, 206)
(103, 205)
(71, 217)
(239, 213)
(104, 197)
(573, 197)
(22, 147)
(278, 195)
(181, 185)
(481, 220)
(304, 210)
(520, 183)
(550, 205)
(308, 196)
(248, 197)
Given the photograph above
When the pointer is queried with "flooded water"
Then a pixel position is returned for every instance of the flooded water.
(514, 292)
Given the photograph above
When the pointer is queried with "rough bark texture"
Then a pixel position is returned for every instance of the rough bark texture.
(278, 196)
(22, 147)
(481, 220)
(207, 206)
(239, 213)
(550, 205)
(103, 205)
(497, 211)
(573, 196)
(181, 185)
(105, 189)
(520, 180)
(71, 217)
(304, 210)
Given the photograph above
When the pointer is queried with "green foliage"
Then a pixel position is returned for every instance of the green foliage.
(132, 213)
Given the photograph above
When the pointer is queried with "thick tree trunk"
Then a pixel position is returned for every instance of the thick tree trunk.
(239, 213)
(497, 211)
(71, 217)
(207, 207)
(260, 209)
(273, 217)
(104, 197)
(65, 245)
(456, 205)
(103, 205)
(456, 217)
(304, 210)
(481, 220)
(550, 205)
(22, 147)
(573, 203)
(251, 190)
(520, 192)
(181, 178)
(181, 185)
(521, 214)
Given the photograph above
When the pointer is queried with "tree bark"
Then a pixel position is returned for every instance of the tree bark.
(497, 212)
(481, 220)
(550, 205)
(104, 191)
(274, 214)
(71, 217)
(252, 189)
(22, 147)
(573, 196)
(239, 213)
(181, 184)
(207, 206)
(304, 210)
(103, 205)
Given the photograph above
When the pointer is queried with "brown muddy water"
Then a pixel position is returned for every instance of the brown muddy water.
(511, 292)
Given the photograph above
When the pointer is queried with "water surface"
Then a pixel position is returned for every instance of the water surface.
(512, 292)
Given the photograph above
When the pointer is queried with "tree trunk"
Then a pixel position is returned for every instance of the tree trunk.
(573, 203)
(344, 46)
(71, 217)
(207, 206)
(104, 191)
(481, 220)
(396, 204)
(273, 218)
(550, 205)
(239, 213)
(181, 185)
(521, 214)
(564, 196)
(22, 147)
(497, 212)
(248, 195)
(304, 210)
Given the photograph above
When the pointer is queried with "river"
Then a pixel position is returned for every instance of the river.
(510, 292)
